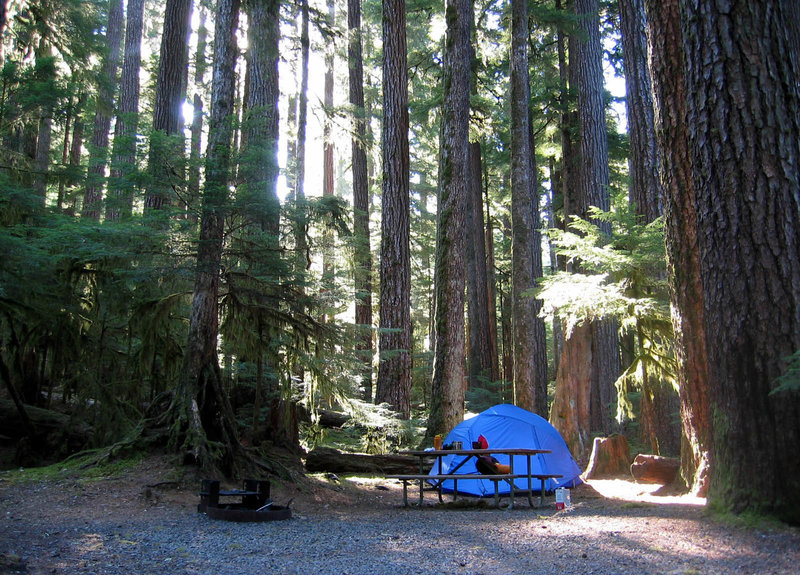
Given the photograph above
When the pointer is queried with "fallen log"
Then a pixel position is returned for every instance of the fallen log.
(610, 457)
(655, 469)
(329, 460)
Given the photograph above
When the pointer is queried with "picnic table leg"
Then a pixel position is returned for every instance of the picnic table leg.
(530, 484)
(496, 493)
(541, 493)
(421, 484)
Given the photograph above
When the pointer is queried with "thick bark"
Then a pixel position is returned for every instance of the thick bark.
(165, 159)
(480, 352)
(119, 204)
(393, 385)
(743, 118)
(363, 256)
(669, 90)
(569, 412)
(205, 408)
(104, 108)
(639, 105)
(448, 385)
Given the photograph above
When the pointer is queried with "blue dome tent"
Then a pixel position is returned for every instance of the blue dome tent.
(509, 426)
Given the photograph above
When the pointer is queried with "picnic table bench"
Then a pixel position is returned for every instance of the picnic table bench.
(437, 479)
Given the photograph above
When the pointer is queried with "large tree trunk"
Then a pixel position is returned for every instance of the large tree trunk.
(448, 385)
(119, 204)
(204, 404)
(363, 257)
(669, 90)
(743, 118)
(569, 412)
(104, 108)
(393, 385)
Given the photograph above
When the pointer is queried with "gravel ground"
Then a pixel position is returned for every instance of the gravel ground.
(358, 526)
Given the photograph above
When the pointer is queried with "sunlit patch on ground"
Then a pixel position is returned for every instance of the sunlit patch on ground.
(90, 542)
(640, 492)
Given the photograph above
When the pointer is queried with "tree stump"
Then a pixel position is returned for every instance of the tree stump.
(655, 469)
(610, 457)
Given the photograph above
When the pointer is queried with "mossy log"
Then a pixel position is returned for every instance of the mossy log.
(329, 460)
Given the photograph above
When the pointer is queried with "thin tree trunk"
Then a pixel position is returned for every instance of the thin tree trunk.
(639, 104)
(104, 109)
(197, 113)
(166, 160)
(530, 387)
(119, 203)
(363, 255)
(480, 353)
(393, 385)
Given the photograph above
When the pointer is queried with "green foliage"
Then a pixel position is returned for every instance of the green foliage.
(623, 277)
(789, 381)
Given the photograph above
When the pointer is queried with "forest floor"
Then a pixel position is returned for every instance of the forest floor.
(143, 519)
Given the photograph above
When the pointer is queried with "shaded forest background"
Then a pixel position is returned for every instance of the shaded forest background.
(222, 221)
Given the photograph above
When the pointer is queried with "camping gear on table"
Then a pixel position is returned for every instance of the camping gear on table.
(509, 427)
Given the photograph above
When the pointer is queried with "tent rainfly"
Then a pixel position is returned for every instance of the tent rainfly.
(511, 427)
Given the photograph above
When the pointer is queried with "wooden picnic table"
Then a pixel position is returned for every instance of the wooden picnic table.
(437, 479)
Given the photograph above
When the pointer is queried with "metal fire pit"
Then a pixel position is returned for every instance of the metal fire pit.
(250, 504)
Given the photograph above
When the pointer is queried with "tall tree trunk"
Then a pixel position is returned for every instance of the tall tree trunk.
(328, 152)
(449, 384)
(166, 159)
(491, 287)
(301, 247)
(639, 104)
(195, 151)
(104, 108)
(669, 90)
(592, 190)
(393, 385)
(659, 399)
(528, 391)
(743, 58)
(259, 163)
(119, 203)
(480, 352)
(363, 255)
(205, 407)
